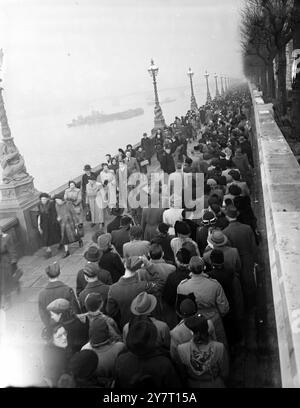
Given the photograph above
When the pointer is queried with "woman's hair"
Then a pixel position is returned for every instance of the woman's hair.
(54, 329)
(44, 195)
(72, 181)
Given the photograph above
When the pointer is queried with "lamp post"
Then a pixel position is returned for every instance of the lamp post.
(222, 87)
(217, 89)
(208, 97)
(194, 106)
(159, 121)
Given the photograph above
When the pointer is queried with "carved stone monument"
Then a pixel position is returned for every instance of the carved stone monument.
(17, 193)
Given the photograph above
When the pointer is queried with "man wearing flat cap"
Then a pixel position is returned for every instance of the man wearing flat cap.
(94, 285)
(55, 289)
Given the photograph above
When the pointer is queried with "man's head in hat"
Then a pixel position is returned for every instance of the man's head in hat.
(217, 239)
(90, 272)
(143, 304)
(87, 169)
(92, 254)
(93, 303)
(182, 229)
(57, 308)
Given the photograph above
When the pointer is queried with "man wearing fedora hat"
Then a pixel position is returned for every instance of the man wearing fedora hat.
(144, 304)
(145, 365)
(55, 289)
(241, 236)
(94, 285)
(122, 293)
(209, 220)
(88, 174)
(218, 240)
(92, 255)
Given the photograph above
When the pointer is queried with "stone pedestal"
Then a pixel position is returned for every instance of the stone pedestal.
(18, 199)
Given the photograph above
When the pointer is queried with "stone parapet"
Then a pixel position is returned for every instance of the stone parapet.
(280, 175)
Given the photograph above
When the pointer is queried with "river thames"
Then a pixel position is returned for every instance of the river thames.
(55, 153)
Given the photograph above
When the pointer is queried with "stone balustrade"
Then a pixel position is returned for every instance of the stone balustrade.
(280, 175)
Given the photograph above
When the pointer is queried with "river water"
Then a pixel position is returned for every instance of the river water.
(54, 153)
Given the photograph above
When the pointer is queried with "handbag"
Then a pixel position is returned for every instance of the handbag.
(144, 163)
(88, 216)
(79, 231)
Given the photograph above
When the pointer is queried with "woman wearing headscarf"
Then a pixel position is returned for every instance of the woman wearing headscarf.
(67, 219)
(47, 223)
(56, 355)
(73, 194)
(203, 362)
(61, 312)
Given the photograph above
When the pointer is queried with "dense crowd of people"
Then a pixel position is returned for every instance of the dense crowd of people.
(164, 295)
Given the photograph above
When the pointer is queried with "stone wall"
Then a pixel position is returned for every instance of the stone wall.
(280, 174)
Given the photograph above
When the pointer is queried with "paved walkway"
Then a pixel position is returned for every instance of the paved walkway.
(254, 366)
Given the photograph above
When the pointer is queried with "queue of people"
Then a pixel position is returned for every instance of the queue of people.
(164, 295)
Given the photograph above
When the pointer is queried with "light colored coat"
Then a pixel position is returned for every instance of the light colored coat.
(210, 298)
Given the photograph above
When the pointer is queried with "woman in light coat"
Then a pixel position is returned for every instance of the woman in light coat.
(94, 191)
(73, 194)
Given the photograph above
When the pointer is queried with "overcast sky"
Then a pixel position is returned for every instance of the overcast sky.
(58, 51)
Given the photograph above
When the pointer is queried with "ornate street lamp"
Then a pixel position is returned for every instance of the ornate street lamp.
(159, 121)
(222, 87)
(217, 89)
(194, 106)
(226, 83)
(208, 97)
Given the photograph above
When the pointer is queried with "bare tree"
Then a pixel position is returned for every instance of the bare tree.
(267, 26)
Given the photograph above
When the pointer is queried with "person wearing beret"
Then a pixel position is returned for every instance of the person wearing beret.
(56, 355)
(55, 289)
(61, 312)
(48, 225)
